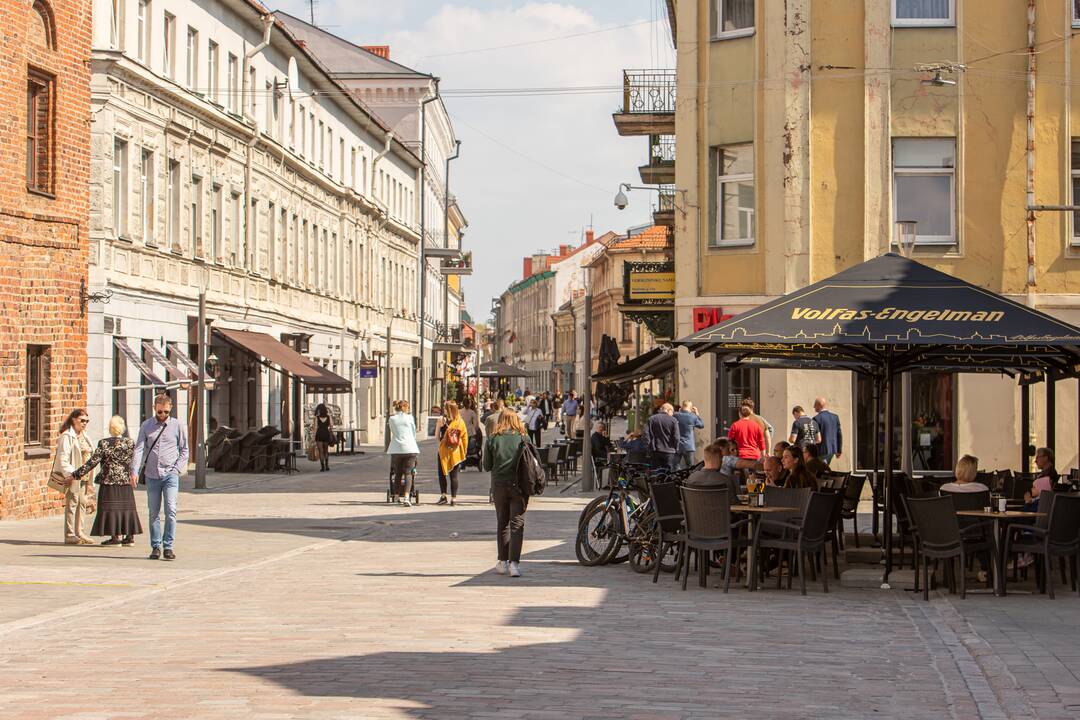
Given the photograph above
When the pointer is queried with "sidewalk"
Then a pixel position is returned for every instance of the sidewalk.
(308, 596)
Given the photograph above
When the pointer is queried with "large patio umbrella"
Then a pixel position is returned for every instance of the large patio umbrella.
(889, 315)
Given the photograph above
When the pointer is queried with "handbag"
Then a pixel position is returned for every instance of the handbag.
(142, 468)
(58, 482)
(453, 437)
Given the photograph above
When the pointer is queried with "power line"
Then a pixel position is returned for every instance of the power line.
(539, 42)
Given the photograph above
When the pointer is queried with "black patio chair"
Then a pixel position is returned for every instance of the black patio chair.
(975, 532)
(1060, 537)
(549, 459)
(671, 524)
(938, 536)
(563, 461)
(806, 539)
(850, 510)
(709, 529)
(575, 452)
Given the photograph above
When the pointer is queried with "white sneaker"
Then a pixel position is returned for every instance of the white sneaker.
(405, 502)
(514, 572)
(500, 567)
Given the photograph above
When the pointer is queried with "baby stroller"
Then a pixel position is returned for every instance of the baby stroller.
(414, 494)
(474, 455)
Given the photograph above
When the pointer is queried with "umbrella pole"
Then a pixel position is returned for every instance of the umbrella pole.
(887, 529)
(876, 483)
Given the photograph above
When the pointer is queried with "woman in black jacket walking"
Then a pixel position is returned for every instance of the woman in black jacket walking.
(500, 459)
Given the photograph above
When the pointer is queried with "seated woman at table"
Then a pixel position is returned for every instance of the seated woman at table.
(637, 449)
(967, 469)
(798, 475)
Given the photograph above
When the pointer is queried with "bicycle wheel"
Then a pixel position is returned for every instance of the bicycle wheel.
(642, 557)
(597, 534)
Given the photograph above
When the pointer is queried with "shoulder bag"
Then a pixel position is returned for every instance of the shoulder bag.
(142, 467)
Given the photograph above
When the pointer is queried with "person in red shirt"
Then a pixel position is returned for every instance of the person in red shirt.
(748, 435)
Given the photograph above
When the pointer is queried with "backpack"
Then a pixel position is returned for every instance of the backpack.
(530, 472)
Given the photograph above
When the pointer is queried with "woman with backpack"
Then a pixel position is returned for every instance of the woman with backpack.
(453, 445)
(501, 453)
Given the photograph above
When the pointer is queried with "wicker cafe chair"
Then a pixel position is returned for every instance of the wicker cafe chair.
(807, 539)
(549, 459)
(709, 529)
(938, 535)
(974, 531)
(671, 524)
(1060, 537)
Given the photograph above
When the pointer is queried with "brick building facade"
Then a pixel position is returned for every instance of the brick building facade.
(44, 206)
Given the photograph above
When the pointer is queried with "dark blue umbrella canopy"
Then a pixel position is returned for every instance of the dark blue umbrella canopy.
(896, 309)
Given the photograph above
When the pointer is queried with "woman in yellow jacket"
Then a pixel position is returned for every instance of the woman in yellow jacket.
(453, 444)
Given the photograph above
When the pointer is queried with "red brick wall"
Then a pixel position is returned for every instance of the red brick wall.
(43, 242)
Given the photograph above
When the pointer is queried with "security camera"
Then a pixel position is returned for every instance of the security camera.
(620, 200)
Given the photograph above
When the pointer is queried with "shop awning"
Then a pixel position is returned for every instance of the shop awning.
(182, 360)
(160, 358)
(647, 366)
(501, 370)
(137, 361)
(314, 377)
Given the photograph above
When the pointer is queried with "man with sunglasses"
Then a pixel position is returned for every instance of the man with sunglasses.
(161, 457)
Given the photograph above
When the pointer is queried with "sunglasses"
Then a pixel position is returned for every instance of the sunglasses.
(159, 413)
(84, 419)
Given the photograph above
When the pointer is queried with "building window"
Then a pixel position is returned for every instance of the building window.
(292, 124)
(253, 222)
(251, 91)
(146, 180)
(924, 187)
(212, 54)
(168, 47)
(1076, 13)
(233, 82)
(119, 382)
(271, 239)
(733, 18)
(236, 252)
(43, 29)
(214, 252)
(341, 160)
(116, 24)
(196, 215)
(39, 131)
(923, 13)
(933, 420)
(322, 145)
(120, 188)
(192, 75)
(173, 209)
(37, 385)
(1076, 185)
(142, 21)
(735, 195)
(275, 115)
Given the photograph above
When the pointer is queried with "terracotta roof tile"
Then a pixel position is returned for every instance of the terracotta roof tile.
(654, 238)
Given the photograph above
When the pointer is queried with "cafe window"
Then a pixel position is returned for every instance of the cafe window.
(1076, 187)
(735, 195)
(742, 382)
(933, 422)
(924, 187)
(923, 13)
(732, 18)
(36, 385)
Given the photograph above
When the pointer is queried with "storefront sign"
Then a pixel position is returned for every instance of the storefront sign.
(648, 282)
(708, 316)
(369, 369)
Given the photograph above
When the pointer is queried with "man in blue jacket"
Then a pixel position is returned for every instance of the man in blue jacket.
(688, 420)
(832, 437)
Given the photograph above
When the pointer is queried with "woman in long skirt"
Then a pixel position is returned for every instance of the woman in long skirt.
(116, 517)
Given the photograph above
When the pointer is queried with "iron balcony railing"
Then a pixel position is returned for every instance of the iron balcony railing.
(661, 150)
(648, 92)
(665, 201)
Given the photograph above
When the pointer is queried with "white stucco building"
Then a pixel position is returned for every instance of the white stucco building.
(227, 160)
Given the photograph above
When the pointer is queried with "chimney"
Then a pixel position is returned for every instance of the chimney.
(527, 271)
(589, 237)
(564, 250)
(382, 51)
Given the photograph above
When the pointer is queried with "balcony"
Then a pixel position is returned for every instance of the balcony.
(661, 167)
(664, 214)
(459, 266)
(648, 103)
(450, 339)
(442, 253)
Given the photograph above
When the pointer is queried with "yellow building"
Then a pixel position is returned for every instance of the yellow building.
(805, 128)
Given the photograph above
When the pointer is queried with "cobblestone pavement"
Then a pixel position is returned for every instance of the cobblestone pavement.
(309, 597)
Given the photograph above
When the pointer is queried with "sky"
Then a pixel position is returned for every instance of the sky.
(535, 171)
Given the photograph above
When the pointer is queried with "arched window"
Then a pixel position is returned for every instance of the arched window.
(42, 27)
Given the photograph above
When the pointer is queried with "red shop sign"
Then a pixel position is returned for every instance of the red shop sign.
(708, 316)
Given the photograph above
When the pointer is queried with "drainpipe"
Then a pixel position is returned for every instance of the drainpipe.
(446, 234)
(249, 236)
(422, 195)
(1030, 185)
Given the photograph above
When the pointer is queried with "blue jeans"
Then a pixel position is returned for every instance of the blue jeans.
(168, 488)
(687, 457)
(827, 459)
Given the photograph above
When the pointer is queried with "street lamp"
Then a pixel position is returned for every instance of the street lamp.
(905, 236)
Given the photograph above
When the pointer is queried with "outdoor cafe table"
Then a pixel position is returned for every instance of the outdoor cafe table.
(999, 518)
(756, 513)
